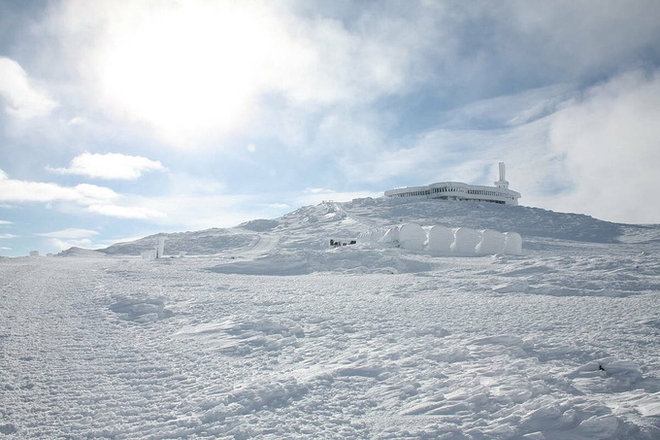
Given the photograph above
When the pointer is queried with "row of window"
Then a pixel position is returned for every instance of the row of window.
(452, 189)
(484, 193)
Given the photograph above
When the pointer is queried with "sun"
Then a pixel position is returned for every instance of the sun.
(190, 68)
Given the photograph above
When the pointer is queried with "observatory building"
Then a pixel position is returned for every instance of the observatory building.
(500, 193)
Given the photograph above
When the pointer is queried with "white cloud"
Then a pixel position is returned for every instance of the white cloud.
(22, 100)
(77, 120)
(592, 152)
(110, 166)
(132, 212)
(5, 222)
(7, 236)
(25, 191)
(69, 233)
(610, 144)
(197, 69)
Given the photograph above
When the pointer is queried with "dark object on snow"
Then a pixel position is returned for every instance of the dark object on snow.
(600, 367)
(340, 243)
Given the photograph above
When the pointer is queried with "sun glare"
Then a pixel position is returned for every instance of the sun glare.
(189, 70)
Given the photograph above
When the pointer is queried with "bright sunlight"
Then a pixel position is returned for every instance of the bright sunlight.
(191, 69)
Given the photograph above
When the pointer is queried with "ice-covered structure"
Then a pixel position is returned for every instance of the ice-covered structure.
(500, 193)
(465, 241)
(391, 236)
(160, 247)
(412, 236)
(440, 239)
(157, 252)
(512, 243)
(492, 242)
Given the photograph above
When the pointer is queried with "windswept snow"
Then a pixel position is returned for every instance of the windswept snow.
(268, 332)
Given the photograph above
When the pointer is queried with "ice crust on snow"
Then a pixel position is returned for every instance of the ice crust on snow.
(361, 341)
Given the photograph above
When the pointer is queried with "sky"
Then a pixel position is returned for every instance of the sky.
(124, 118)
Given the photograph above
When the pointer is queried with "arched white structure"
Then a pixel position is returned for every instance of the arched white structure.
(492, 242)
(412, 236)
(462, 191)
(512, 243)
(440, 239)
(465, 241)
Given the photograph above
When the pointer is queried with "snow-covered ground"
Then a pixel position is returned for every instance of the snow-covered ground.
(265, 331)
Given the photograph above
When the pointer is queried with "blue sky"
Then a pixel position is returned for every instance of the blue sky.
(120, 119)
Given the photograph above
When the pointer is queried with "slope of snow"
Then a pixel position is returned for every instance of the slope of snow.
(270, 333)
(311, 227)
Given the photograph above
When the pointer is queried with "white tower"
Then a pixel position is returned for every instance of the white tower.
(502, 183)
(160, 247)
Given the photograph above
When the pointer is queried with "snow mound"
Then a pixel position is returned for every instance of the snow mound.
(140, 309)
(77, 252)
(346, 259)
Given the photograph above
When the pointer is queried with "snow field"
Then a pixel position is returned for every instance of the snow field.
(561, 342)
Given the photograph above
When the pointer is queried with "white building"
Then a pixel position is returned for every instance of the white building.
(500, 193)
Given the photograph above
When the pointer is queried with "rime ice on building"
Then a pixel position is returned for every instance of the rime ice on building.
(500, 193)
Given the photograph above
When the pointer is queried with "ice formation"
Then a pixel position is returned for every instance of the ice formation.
(441, 239)
(512, 243)
(492, 242)
(465, 241)
(412, 236)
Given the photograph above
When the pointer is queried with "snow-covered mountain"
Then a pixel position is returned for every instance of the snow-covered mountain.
(266, 331)
(311, 227)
